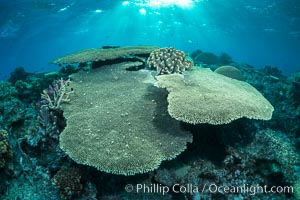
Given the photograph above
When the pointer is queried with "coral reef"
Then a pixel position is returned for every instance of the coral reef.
(103, 54)
(231, 72)
(28, 188)
(7, 91)
(271, 71)
(48, 120)
(122, 128)
(274, 146)
(68, 181)
(12, 110)
(19, 74)
(202, 96)
(29, 86)
(168, 61)
(278, 92)
(243, 152)
(294, 89)
(5, 149)
(237, 167)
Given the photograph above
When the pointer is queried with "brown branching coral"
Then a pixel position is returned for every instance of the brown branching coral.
(168, 61)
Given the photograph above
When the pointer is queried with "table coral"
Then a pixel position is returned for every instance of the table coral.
(116, 122)
(103, 54)
(202, 96)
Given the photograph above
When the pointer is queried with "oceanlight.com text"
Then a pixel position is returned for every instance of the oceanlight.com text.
(208, 188)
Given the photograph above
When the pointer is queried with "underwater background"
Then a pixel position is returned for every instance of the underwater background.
(149, 99)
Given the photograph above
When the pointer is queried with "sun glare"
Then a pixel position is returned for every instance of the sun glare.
(185, 4)
(168, 3)
(143, 11)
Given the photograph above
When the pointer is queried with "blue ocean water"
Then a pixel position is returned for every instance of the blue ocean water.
(257, 32)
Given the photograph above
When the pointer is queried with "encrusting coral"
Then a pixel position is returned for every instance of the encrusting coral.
(202, 96)
(168, 61)
(116, 122)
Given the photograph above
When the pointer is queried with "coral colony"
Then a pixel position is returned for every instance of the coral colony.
(56, 94)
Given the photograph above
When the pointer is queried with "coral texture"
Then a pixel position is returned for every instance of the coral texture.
(68, 181)
(268, 158)
(116, 122)
(270, 145)
(297, 190)
(5, 149)
(168, 61)
(7, 91)
(103, 54)
(294, 89)
(202, 96)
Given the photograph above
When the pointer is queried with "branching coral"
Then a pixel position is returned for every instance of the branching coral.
(168, 61)
(56, 94)
(48, 122)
